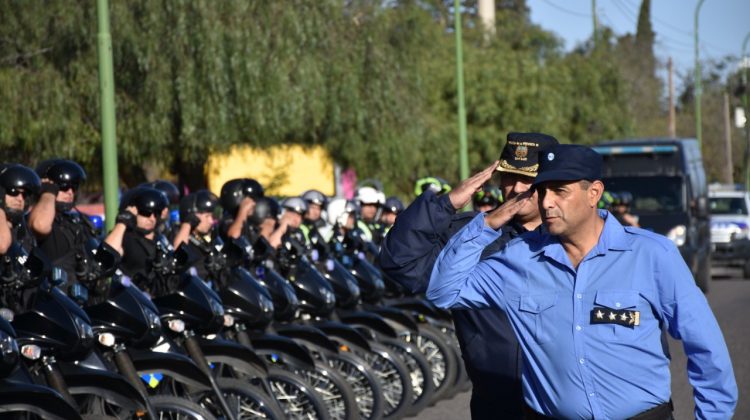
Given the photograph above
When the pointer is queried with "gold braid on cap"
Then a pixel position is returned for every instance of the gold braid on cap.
(526, 169)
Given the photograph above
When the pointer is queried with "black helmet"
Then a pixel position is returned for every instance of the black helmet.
(201, 201)
(252, 189)
(63, 173)
(295, 204)
(315, 197)
(265, 208)
(623, 198)
(41, 168)
(232, 193)
(488, 195)
(146, 199)
(393, 205)
(15, 176)
(168, 188)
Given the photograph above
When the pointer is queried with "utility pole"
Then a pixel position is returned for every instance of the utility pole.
(462, 143)
(107, 98)
(486, 11)
(698, 87)
(729, 166)
(593, 16)
(746, 68)
(672, 122)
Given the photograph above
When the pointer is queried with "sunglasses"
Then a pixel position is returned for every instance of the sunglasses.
(65, 186)
(15, 192)
(147, 213)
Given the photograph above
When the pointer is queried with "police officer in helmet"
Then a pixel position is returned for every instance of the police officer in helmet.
(62, 232)
(20, 185)
(197, 228)
(140, 211)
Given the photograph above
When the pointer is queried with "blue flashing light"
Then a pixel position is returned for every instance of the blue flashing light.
(634, 150)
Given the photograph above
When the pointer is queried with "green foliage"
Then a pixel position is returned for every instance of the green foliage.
(373, 82)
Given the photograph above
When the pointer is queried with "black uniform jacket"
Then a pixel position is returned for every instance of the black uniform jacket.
(489, 346)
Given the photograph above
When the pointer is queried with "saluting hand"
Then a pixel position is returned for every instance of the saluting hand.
(461, 195)
(505, 212)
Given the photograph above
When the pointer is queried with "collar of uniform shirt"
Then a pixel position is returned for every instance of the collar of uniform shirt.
(612, 238)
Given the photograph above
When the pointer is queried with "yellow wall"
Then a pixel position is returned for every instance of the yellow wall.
(282, 170)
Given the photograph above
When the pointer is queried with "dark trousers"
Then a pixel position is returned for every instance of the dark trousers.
(492, 358)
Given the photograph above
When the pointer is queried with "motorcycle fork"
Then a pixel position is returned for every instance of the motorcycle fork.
(126, 367)
(196, 353)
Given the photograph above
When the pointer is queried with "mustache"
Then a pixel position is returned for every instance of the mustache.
(551, 213)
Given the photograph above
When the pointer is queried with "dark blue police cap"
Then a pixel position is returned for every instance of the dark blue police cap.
(569, 162)
(519, 156)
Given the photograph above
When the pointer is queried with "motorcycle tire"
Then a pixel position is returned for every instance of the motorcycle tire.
(298, 399)
(171, 407)
(434, 345)
(244, 400)
(394, 377)
(420, 373)
(365, 385)
(335, 391)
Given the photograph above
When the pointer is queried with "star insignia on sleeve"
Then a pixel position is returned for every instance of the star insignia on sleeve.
(612, 316)
(599, 314)
(624, 317)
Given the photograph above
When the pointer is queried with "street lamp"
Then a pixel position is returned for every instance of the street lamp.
(698, 88)
(462, 143)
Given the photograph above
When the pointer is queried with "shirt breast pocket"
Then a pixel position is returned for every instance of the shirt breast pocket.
(538, 314)
(610, 308)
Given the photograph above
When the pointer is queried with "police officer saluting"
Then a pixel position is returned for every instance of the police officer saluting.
(488, 345)
(62, 231)
(587, 299)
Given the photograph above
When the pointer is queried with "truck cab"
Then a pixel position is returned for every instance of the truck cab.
(670, 195)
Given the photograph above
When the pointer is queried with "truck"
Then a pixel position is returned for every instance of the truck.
(670, 194)
(730, 227)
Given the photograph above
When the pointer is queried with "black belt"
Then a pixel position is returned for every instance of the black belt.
(660, 412)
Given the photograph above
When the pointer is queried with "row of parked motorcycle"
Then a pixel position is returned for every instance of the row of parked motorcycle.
(301, 333)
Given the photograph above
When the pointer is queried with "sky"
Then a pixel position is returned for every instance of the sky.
(723, 25)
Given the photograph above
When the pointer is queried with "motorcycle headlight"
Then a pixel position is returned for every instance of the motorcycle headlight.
(8, 348)
(153, 318)
(353, 287)
(327, 295)
(678, 234)
(216, 307)
(84, 328)
(265, 304)
(7, 314)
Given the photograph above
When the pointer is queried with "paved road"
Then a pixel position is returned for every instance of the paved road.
(730, 301)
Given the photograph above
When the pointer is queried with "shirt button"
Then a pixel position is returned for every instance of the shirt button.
(617, 304)
(592, 394)
(581, 361)
(578, 328)
(579, 296)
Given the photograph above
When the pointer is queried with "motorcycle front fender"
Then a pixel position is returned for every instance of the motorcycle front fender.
(109, 385)
(177, 366)
(285, 349)
(239, 357)
(19, 397)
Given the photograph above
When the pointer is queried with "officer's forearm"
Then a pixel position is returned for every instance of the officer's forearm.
(5, 236)
(42, 215)
(455, 278)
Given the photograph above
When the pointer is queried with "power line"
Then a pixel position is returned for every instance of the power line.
(570, 12)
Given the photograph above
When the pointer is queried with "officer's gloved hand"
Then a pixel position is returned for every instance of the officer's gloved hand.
(127, 218)
(193, 220)
(49, 187)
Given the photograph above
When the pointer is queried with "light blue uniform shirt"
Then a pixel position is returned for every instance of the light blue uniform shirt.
(576, 367)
